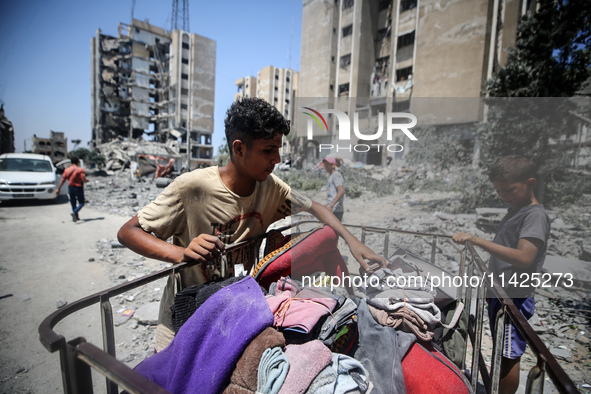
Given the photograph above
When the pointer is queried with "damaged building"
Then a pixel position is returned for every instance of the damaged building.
(373, 56)
(56, 146)
(6, 133)
(156, 85)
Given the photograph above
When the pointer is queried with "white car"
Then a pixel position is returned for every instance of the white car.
(27, 176)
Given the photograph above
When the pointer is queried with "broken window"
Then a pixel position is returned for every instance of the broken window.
(406, 39)
(185, 45)
(382, 65)
(348, 4)
(343, 89)
(345, 60)
(347, 30)
(184, 106)
(383, 33)
(403, 73)
(184, 91)
(407, 5)
(186, 76)
(185, 60)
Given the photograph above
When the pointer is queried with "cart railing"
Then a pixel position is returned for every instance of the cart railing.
(78, 357)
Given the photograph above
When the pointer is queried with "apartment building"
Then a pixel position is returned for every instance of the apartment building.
(277, 86)
(155, 84)
(378, 56)
(56, 146)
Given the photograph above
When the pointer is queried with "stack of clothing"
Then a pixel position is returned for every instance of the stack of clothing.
(306, 313)
(232, 344)
(402, 301)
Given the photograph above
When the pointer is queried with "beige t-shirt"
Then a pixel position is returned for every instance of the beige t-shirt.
(198, 202)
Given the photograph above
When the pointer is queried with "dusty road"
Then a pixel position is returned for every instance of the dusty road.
(44, 259)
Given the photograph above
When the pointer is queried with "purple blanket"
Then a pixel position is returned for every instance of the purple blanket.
(202, 356)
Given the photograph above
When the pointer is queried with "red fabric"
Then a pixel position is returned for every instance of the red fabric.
(317, 252)
(424, 373)
(75, 175)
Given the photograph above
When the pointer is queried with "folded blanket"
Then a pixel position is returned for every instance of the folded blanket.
(299, 309)
(404, 319)
(324, 382)
(305, 363)
(343, 375)
(202, 356)
(272, 371)
(244, 378)
(351, 376)
(429, 313)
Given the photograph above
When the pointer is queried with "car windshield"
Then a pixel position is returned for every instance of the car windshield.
(29, 165)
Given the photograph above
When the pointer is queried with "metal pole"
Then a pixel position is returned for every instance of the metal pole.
(108, 335)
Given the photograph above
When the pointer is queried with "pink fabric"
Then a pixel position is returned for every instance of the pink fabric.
(297, 309)
(305, 363)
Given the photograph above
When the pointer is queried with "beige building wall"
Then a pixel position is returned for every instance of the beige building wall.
(247, 87)
(56, 146)
(373, 56)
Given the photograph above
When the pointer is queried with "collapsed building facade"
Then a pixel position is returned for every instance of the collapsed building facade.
(155, 87)
(378, 56)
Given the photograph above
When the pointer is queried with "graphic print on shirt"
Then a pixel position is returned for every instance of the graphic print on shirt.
(225, 231)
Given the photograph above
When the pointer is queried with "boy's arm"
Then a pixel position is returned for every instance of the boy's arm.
(203, 248)
(522, 257)
(358, 249)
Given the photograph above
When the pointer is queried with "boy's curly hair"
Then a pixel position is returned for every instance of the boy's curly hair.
(252, 119)
(513, 169)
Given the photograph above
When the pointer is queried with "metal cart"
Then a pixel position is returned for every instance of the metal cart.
(78, 357)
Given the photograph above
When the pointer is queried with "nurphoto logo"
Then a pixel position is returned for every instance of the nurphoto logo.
(393, 122)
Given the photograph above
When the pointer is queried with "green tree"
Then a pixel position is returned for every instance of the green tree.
(89, 156)
(223, 154)
(551, 59)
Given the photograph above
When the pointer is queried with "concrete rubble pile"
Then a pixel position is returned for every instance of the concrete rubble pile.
(121, 154)
(562, 319)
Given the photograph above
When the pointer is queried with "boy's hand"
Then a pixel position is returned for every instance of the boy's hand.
(361, 253)
(204, 248)
(461, 238)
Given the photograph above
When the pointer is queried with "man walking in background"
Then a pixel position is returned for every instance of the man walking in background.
(336, 188)
(76, 178)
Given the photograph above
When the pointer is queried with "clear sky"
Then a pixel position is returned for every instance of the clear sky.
(45, 54)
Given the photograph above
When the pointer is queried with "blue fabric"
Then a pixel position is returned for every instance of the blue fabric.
(272, 371)
(515, 343)
(76, 198)
(351, 376)
(202, 356)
